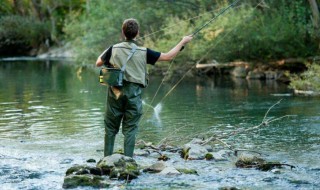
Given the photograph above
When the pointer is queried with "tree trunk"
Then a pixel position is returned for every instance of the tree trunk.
(315, 13)
(18, 7)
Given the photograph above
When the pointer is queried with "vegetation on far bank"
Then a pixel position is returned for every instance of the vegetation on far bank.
(308, 80)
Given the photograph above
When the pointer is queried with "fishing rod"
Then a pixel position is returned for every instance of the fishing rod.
(211, 20)
(193, 34)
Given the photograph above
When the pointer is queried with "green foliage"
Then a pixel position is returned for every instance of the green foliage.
(308, 80)
(279, 29)
(19, 33)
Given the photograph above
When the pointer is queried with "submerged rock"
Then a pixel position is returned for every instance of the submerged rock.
(258, 163)
(187, 171)
(170, 171)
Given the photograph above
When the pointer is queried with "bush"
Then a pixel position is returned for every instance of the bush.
(308, 80)
(18, 35)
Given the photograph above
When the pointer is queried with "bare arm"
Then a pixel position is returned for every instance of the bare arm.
(174, 51)
(99, 61)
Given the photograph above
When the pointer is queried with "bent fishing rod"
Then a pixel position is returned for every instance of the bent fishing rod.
(193, 34)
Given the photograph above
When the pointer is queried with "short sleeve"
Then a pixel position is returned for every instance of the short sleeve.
(106, 55)
(152, 56)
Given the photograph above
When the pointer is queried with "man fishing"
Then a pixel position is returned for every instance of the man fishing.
(124, 103)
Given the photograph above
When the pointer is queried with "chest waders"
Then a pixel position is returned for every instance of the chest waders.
(124, 106)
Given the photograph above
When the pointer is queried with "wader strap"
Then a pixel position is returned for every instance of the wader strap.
(133, 50)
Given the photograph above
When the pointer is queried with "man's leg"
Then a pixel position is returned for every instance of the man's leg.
(112, 122)
(132, 115)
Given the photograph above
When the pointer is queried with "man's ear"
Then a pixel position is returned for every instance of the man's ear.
(122, 34)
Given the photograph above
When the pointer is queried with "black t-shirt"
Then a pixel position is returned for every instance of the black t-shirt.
(152, 56)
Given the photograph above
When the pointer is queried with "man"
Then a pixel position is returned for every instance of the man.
(124, 103)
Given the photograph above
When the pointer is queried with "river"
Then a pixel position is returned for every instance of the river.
(51, 118)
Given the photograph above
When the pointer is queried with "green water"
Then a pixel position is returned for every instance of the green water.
(51, 117)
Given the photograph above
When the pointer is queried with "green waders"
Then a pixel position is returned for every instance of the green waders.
(126, 108)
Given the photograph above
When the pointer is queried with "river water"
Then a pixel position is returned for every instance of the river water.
(51, 118)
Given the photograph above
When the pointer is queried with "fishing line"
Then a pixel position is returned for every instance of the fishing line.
(170, 65)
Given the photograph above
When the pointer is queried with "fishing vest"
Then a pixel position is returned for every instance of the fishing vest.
(136, 68)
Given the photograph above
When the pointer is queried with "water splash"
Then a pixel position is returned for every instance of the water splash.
(156, 112)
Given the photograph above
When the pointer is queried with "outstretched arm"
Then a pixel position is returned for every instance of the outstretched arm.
(174, 51)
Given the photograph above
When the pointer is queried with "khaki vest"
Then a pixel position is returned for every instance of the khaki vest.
(136, 68)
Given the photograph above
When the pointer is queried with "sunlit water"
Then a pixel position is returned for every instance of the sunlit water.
(51, 117)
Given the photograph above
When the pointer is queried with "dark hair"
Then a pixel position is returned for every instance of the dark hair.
(130, 28)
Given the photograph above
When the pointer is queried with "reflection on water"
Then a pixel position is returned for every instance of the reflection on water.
(51, 117)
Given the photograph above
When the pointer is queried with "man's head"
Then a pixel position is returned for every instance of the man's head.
(130, 28)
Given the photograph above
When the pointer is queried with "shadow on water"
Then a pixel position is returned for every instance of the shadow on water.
(50, 114)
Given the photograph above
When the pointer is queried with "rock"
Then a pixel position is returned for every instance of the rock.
(108, 162)
(188, 171)
(218, 157)
(91, 160)
(209, 148)
(226, 153)
(249, 162)
(255, 75)
(194, 152)
(170, 171)
(306, 92)
(125, 168)
(58, 52)
(271, 75)
(196, 141)
(119, 166)
(239, 72)
(83, 169)
(156, 168)
(73, 181)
